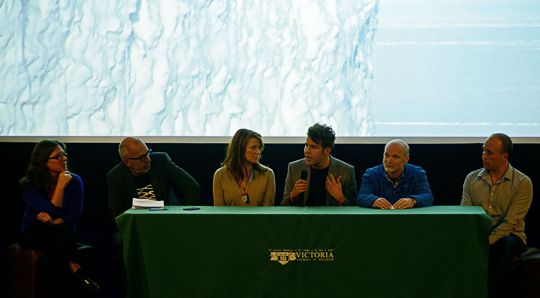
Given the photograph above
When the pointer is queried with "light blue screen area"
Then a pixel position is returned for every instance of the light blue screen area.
(207, 68)
(184, 68)
(457, 68)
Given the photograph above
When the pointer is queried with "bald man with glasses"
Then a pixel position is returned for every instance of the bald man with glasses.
(148, 175)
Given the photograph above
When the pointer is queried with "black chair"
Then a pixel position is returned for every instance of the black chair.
(525, 276)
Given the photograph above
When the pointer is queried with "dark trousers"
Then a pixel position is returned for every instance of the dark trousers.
(501, 255)
(118, 247)
(57, 241)
(59, 246)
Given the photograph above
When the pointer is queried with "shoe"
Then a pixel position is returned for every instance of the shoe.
(85, 282)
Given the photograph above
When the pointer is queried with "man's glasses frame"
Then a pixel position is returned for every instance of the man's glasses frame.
(142, 157)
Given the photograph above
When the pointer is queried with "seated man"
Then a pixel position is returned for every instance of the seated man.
(319, 179)
(148, 175)
(395, 184)
(506, 195)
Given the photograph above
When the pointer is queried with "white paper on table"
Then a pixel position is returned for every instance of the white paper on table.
(145, 203)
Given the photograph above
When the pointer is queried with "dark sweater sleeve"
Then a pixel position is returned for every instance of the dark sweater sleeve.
(73, 202)
(185, 186)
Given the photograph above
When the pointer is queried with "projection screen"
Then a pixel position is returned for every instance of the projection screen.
(369, 68)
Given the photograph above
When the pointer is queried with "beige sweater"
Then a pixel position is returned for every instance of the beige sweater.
(261, 189)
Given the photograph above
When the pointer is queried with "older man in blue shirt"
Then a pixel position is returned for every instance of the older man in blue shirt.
(395, 184)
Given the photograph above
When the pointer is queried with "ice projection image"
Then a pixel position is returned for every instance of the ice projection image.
(369, 68)
(185, 68)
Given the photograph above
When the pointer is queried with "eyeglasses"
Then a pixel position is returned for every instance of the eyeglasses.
(142, 157)
(59, 156)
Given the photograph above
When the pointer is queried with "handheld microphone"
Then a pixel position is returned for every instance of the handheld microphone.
(303, 176)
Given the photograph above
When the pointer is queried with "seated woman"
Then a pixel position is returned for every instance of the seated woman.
(53, 200)
(242, 180)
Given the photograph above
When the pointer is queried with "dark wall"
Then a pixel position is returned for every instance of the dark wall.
(446, 166)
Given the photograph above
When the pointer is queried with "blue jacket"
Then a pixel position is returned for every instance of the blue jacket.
(413, 184)
(35, 202)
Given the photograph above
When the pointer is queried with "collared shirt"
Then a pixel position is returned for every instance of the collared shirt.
(507, 201)
(395, 182)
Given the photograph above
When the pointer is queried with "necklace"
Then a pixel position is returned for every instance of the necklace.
(244, 187)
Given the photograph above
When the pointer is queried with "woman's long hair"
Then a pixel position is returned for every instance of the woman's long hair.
(235, 157)
(37, 172)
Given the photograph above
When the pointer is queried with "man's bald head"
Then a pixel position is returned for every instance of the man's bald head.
(129, 145)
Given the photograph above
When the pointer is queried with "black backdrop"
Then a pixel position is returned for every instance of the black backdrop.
(446, 166)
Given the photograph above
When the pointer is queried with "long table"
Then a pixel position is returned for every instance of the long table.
(438, 251)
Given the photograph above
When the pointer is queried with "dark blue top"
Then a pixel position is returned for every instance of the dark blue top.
(35, 202)
(413, 184)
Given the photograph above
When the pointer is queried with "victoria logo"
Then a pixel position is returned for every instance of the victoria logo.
(284, 256)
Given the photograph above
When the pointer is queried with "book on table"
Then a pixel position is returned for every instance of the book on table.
(145, 204)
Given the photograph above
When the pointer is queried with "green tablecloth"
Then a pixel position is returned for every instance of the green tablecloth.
(438, 251)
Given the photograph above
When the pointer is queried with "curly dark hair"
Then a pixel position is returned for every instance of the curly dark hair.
(322, 134)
